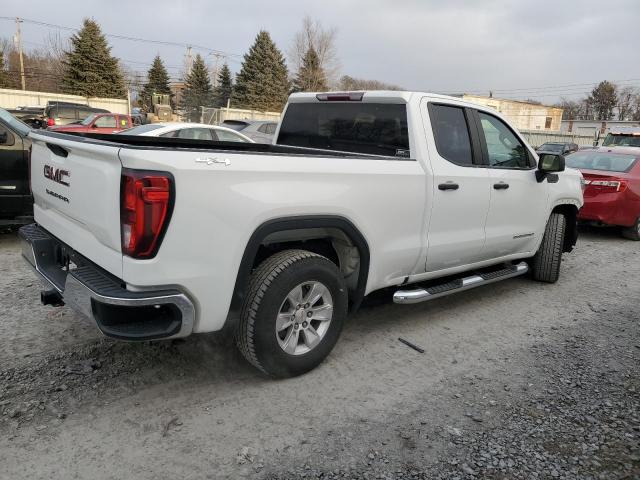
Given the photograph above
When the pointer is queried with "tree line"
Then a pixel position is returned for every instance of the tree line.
(86, 67)
(607, 101)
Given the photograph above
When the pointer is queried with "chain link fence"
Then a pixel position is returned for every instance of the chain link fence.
(215, 116)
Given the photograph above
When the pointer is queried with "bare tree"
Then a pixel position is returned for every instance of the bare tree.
(351, 83)
(571, 109)
(625, 102)
(323, 41)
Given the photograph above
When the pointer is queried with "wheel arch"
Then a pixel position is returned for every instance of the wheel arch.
(301, 224)
(570, 212)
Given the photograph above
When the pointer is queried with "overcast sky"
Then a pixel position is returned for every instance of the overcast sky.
(511, 47)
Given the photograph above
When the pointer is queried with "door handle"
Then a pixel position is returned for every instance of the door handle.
(448, 186)
(500, 186)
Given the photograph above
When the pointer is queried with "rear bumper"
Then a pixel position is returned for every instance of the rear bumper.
(609, 209)
(118, 312)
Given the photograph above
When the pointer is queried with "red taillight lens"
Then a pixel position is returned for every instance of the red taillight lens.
(145, 208)
(50, 122)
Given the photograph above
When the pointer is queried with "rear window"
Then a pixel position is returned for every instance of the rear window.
(142, 129)
(552, 147)
(622, 140)
(376, 129)
(608, 162)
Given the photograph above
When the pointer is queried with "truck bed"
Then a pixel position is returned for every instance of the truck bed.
(164, 143)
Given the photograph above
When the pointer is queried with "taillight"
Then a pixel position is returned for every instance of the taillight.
(146, 200)
(608, 185)
(50, 122)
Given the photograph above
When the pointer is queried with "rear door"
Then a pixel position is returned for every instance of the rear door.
(76, 190)
(105, 124)
(14, 185)
(518, 205)
(460, 200)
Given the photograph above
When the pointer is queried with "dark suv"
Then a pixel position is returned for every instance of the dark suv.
(64, 113)
(558, 148)
(16, 202)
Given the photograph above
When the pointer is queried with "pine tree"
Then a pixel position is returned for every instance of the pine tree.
(262, 83)
(197, 91)
(5, 81)
(311, 76)
(157, 82)
(89, 68)
(224, 89)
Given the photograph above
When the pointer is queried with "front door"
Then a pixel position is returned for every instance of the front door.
(460, 197)
(518, 204)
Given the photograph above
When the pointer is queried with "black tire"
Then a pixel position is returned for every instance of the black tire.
(268, 287)
(633, 232)
(545, 265)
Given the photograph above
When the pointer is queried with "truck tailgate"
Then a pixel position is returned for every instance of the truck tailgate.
(76, 191)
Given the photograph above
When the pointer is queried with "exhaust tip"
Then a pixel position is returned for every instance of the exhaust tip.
(51, 297)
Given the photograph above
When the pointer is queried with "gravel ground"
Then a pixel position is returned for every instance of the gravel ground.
(518, 380)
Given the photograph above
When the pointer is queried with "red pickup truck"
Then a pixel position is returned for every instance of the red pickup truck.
(98, 123)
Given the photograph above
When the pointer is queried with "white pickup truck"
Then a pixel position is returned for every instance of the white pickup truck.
(158, 238)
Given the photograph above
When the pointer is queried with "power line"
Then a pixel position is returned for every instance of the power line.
(129, 38)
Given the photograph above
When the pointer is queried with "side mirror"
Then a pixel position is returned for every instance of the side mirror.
(94, 126)
(549, 163)
(3, 138)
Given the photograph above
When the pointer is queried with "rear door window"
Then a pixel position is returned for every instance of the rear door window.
(67, 113)
(370, 128)
(451, 133)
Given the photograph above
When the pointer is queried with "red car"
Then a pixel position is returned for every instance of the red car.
(612, 187)
(97, 123)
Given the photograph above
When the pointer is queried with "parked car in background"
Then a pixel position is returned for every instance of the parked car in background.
(558, 148)
(622, 137)
(16, 202)
(98, 123)
(236, 124)
(32, 116)
(64, 113)
(612, 187)
(191, 131)
(261, 131)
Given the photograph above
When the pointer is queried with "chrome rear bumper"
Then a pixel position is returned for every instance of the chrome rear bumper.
(118, 312)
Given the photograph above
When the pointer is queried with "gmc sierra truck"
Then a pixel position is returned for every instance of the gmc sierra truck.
(159, 238)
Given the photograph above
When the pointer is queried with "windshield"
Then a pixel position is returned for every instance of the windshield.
(622, 140)
(605, 161)
(552, 147)
(13, 123)
(88, 120)
(371, 128)
(140, 129)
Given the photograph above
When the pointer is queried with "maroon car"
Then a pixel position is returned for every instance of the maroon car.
(98, 123)
(612, 187)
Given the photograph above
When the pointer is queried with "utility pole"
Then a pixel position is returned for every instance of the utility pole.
(215, 68)
(19, 46)
(189, 60)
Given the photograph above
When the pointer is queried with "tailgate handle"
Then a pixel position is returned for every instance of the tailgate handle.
(58, 150)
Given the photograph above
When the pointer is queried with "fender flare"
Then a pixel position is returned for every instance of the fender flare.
(301, 223)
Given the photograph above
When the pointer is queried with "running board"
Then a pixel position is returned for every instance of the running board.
(423, 294)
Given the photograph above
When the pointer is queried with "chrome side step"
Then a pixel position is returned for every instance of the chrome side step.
(423, 294)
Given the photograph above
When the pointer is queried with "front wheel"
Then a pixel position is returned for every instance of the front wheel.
(633, 232)
(293, 313)
(545, 265)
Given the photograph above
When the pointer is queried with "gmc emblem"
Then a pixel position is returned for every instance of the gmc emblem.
(57, 175)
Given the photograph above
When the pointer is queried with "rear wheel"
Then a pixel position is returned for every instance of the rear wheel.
(293, 313)
(545, 265)
(633, 232)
